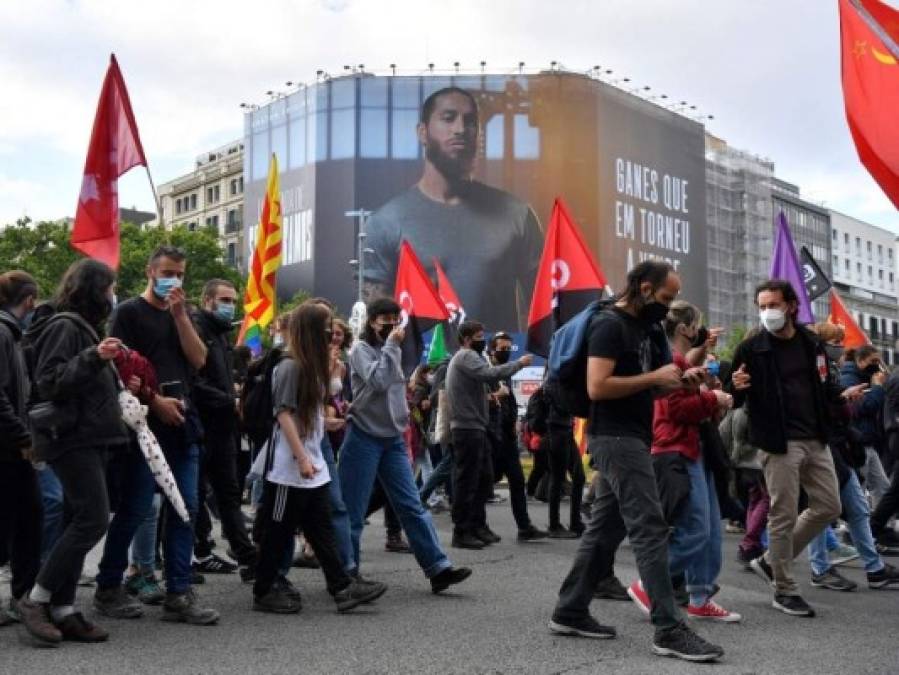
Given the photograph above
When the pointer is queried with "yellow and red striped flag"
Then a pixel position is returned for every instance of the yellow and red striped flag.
(260, 299)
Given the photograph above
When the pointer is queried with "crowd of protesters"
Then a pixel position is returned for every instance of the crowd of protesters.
(793, 444)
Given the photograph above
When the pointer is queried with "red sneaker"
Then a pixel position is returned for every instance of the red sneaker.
(639, 596)
(711, 610)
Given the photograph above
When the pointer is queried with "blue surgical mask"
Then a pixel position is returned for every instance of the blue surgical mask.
(224, 312)
(162, 286)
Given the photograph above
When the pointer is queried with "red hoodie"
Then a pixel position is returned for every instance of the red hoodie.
(676, 418)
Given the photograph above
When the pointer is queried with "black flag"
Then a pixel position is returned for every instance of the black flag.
(816, 282)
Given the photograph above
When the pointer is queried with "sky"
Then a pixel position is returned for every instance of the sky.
(768, 71)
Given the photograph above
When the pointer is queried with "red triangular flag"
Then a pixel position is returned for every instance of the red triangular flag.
(448, 294)
(870, 69)
(421, 304)
(855, 337)
(115, 148)
(567, 281)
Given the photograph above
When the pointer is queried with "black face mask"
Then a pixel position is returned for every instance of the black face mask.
(834, 353)
(871, 369)
(701, 337)
(385, 331)
(502, 356)
(652, 312)
(479, 345)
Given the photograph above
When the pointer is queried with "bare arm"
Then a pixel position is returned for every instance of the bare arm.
(603, 386)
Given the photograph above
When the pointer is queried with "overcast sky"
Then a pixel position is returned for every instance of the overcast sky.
(768, 70)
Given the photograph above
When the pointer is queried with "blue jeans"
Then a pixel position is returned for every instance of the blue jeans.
(143, 545)
(54, 509)
(339, 516)
(362, 459)
(695, 546)
(855, 506)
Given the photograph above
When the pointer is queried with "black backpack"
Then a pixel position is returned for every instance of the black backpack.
(257, 419)
(537, 412)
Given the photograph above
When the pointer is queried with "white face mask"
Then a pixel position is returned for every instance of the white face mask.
(278, 340)
(336, 386)
(773, 319)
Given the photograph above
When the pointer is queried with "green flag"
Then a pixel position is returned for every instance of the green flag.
(437, 350)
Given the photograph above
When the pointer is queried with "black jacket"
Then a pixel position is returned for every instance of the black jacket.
(891, 404)
(213, 391)
(14, 388)
(69, 371)
(767, 427)
(503, 415)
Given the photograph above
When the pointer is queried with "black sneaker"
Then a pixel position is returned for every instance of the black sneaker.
(487, 535)
(184, 608)
(745, 558)
(212, 564)
(584, 627)
(531, 533)
(362, 581)
(449, 577)
(276, 601)
(247, 573)
(761, 567)
(683, 643)
(833, 581)
(467, 540)
(560, 532)
(284, 585)
(611, 588)
(357, 593)
(792, 605)
(888, 576)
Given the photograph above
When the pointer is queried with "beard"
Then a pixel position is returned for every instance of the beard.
(454, 169)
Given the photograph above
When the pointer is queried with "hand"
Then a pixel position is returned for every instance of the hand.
(169, 410)
(425, 404)
(725, 401)
(334, 423)
(668, 377)
(714, 334)
(502, 391)
(134, 384)
(526, 360)
(741, 379)
(109, 348)
(878, 378)
(397, 335)
(854, 393)
(177, 303)
(693, 377)
(307, 469)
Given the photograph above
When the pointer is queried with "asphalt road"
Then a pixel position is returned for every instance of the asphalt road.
(494, 623)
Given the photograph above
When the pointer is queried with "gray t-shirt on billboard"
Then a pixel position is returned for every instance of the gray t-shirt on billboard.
(489, 245)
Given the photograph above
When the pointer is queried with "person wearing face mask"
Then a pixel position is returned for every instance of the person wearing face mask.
(215, 398)
(374, 447)
(782, 374)
(467, 380)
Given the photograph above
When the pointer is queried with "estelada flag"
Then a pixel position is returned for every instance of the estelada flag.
(115, 148)
(567, 281)
(870, 70)
(422, 308)
(855, 337)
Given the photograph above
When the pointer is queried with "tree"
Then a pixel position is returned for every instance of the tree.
(734, 338)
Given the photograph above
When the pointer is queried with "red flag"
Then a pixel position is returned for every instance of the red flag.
(855, 337)
(870, 68)
(422, 308)
(114, 149)
(567, 281)
(448, 294)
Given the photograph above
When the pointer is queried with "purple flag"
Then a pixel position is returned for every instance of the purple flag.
(785, 265)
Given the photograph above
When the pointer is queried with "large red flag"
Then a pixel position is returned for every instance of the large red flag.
(448, 294)
(567, 281)
(870, 67)
(115, 148)
(421, 305)
(854, 337)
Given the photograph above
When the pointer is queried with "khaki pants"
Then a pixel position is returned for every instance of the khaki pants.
(809, 465)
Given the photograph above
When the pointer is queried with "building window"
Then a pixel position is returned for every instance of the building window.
(213, 194)
(847, 266)
(240, 185)
(846, 241)
(873, 325)
(896, 329)
(836, 263)
(233, 222)
(233, 186)
(193, 202)
(880, 253)
(835, 235)
(231, 255)
(192, 226)
(177, 206)
(212, 221)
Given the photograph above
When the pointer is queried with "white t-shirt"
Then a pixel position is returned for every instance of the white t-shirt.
(285, 470)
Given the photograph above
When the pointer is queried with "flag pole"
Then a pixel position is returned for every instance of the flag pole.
(158, 203)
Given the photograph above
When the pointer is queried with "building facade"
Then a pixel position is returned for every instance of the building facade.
(211, 195)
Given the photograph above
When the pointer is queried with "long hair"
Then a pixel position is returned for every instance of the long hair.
(16, 287)
(83, 290)
(308, 343)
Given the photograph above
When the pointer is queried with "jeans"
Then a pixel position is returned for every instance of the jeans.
(507, 461)
(82, 474)
(339, 516)
(21, 521)
(875, 477)
(564, 458)
(627, 503)
(855, 507)
(143, 545)
(363, 458)
(888, 506)
(424, 464)
(695, 546)
(472, 479)
(442, 473)
(54, 509)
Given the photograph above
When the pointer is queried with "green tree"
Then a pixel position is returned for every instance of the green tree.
(734, 338)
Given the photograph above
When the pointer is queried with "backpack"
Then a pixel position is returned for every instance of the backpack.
(257, 409)
(537, 412)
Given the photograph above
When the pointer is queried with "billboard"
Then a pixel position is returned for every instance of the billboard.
(475, 195)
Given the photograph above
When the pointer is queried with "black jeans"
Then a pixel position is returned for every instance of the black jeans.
(472, 479)
(21, 523)
(218, 465)
(506, 461)
(564, 458)
(82, 473)
(888, 506)
(539, 469)
(287, 509)
(627, 503)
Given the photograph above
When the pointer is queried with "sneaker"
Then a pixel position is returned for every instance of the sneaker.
(75, 628)
(745, 558)
(636, 593)
(495, 499)
(305, 561)
(888, 576)
(396, 544)
(357, 593)
(437, 507)
(886, 546)
(487, 535)
(284, 585)
(792, 605)
(683, 643)
(467, 540)
(117, 604)
(276, 601)
(833, 581)
(843, 554)
(183, 608)
(212, 564)
(38, 628)
(12, 610)
(733, 527)
(449, 577)
(585, 627)
(713, 611)
(362, 581)
(761, 567)
(531, 533)
(247, 573)
(611, 588)
(145, 587)
(560, 532)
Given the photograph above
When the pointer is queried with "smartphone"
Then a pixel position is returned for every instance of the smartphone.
(173, 389)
